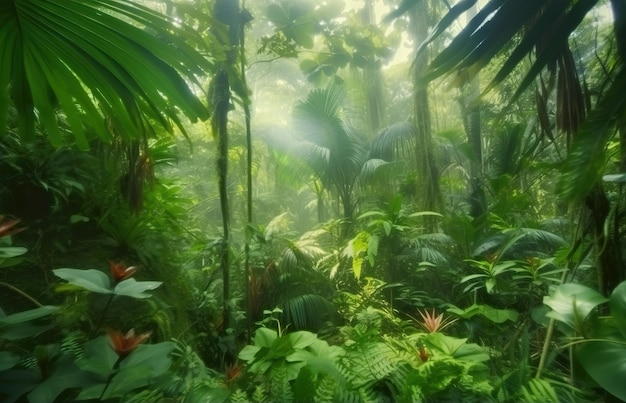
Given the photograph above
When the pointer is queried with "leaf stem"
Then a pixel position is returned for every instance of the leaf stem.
(22, 293)
(102, 316)
(111, 375)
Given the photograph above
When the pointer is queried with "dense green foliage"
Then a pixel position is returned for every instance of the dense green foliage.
(271, 201)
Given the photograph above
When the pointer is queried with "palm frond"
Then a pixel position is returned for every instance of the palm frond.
(519, 242)
(499, 22)
(395, 141)
(94, 59)
(585, 163)
(307, 311)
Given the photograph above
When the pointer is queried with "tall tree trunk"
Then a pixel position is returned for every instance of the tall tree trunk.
(220, 94)
(250, 218)
(427, 176)
(372, 78)
(228, 13)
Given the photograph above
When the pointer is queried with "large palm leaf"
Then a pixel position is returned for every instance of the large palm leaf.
(328, 145)
(93, 59)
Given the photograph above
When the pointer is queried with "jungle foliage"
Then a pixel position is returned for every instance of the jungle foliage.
(351, 201)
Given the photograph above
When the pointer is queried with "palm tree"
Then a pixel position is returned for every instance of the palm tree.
(96, 64)
(330, 147)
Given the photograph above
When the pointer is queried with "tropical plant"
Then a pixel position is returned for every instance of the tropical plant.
(103, 367)
(283, 274)
(104, 63)
(598, 342)
(591, 126)
(331, 148)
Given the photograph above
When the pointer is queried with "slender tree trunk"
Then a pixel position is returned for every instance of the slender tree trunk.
(427, 179)
(228, 13)
(219, 126)
(250, 218)
(373, 78)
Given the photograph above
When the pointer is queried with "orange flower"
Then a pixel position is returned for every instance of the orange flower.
(6, 226)
(120, 271)
(125, 344)
(233, 372)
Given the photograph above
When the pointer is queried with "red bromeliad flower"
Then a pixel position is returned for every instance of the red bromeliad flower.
(124, 344)
(434, 323)
(120, 271)
(7, 226)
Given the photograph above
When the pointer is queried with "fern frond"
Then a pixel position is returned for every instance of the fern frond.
(239, 396)
(260, 394)
(326, 390)
(538, 390)
(280, 388)
(73, 344)
(369, 362)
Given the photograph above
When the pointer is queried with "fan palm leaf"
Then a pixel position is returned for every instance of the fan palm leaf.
(329, 146)
(93, 59)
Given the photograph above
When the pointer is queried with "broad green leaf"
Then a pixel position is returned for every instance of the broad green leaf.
(301, 339)
(264, 337)
(493, 314)
(8, 360)
(248, 353)
(26, 316)
(64, 374)
(605, 362)
(12, 251)
(446, 344)
(572, 303)
(135, 289)
(281, 348)
(99, 358)
(278, 15)
(23, 330)
(617, 304)
(91, 279)
(471, 352)
(321, 348)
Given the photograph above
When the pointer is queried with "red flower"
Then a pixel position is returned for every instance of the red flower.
(125, 344)
(233, 372)
(120, 271)
(6, 226)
